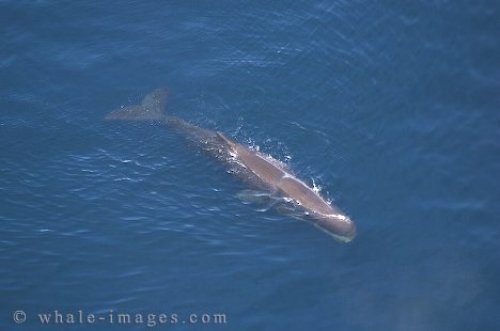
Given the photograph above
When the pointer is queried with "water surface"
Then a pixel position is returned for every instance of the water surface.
(391, 108)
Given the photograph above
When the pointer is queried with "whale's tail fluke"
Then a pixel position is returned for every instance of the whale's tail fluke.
(151, 108)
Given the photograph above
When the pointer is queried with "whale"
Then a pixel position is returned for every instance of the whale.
(262, 171)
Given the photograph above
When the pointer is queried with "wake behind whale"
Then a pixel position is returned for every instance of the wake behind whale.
(258, 169)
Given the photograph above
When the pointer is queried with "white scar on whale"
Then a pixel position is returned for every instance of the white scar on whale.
(260, 170)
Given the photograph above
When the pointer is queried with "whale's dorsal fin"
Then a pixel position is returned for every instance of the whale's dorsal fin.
(226, 140)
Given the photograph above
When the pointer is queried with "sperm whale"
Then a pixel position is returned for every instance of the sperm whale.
(256, 167)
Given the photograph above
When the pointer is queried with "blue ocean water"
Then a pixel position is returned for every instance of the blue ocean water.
(391, 107)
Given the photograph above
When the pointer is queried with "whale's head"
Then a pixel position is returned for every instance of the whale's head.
(338, 225)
